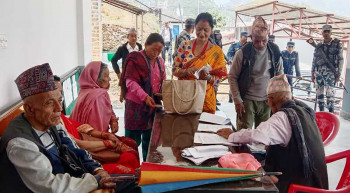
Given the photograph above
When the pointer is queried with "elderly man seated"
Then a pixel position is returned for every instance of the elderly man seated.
(294, 140)
(37, 154)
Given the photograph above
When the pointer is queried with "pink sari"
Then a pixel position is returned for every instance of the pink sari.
(93, 105)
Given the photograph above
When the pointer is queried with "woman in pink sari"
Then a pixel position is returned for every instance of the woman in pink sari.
(94, 106)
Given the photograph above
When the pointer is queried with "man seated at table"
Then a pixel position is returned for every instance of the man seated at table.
(294, 140)
(35, 153)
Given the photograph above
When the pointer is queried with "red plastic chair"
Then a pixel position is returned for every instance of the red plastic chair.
(328, 124)
(344, 182)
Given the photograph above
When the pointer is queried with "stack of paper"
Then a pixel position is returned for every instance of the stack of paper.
(199, 154)
(216, 119)
(210, 139)
(211, 128)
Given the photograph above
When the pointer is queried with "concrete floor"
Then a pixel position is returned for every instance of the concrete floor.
(337, 145)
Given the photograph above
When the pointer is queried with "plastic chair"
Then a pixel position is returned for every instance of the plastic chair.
(344, 182)
(328, 124)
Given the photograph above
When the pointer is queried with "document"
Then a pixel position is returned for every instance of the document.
(216, 119)
(211, 128)
(206, 68)
(199, 154)
(210, 139)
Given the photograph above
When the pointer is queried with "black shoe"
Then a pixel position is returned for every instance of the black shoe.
(230, 101)
(217, 102)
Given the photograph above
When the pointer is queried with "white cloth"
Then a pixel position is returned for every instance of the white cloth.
(130, 49)
(275, 131)
(35, 169)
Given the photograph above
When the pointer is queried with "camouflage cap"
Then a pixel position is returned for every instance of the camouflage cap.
(244, 34)
(290, 44)
(327, 28)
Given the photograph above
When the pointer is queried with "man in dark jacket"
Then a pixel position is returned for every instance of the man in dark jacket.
(36, 151)
(294, 140)
(125, 49)
(252, 67)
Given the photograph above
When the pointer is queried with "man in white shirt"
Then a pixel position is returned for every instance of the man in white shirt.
(167, 34)
(36, 153)
(294, 140)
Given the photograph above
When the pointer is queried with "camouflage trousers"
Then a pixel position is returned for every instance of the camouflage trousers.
(325, 81)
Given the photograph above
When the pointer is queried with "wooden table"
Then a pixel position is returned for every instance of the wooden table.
(173, 133)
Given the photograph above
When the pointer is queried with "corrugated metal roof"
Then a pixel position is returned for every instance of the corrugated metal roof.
(125, 6)
(290, 17)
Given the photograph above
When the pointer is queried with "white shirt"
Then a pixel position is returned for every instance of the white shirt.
(130, 49)
(275, 131)
(166, 35)
(35, 170)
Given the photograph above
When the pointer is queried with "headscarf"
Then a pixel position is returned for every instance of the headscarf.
(93, 105)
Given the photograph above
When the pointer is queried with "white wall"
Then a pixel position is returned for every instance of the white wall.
(40, 31)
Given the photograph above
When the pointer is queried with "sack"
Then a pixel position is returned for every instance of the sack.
(184, 96)
(104, 156)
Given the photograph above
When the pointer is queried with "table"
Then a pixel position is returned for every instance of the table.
(173, 133)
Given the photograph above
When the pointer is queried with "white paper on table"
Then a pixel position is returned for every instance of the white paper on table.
(199, 161)
(207, 151)
(216, 119)
(211, 128)
(210, 139)
(220, 113)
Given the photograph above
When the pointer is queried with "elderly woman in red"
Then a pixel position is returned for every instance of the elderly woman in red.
(93, 116)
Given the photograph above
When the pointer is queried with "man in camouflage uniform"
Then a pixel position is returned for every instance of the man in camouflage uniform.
(322, 75)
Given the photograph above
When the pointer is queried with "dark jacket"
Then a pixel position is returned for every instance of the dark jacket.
(288, 160)
(244, 79)
(122, 53)
(10, 181)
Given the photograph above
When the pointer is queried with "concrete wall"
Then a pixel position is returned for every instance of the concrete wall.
(39, 31)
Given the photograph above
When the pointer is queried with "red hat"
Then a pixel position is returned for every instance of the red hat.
(36, 80)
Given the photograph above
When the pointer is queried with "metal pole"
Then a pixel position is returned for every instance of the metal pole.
(197, 7)
(300, 23)
(160, 18)
(236, 20)
(141, 28)
(273, 19)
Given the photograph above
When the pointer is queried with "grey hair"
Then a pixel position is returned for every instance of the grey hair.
(100, 74)
(132, 30)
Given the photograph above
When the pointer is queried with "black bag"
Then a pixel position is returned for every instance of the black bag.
(71, 163)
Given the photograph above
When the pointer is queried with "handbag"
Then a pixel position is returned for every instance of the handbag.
(184, 96)
(104, 156)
